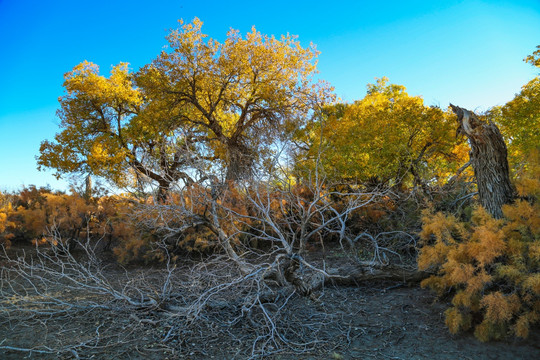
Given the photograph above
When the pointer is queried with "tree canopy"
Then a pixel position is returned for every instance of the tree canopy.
(199, 104)
(520, 117)
(388, 135)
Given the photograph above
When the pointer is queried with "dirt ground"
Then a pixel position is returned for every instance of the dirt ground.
(383, 320)
(377, 321)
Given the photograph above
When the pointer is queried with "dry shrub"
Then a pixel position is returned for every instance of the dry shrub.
(490, 266)
(6, 225)
(36, 215)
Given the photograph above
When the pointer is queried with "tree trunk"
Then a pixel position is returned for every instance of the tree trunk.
(88, 188)
(162, 191)
(348, 274)
(489, 160)
(239, 162)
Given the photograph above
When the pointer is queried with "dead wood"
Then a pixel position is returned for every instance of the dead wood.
(353, 274)
(489, 160)
(307, 278)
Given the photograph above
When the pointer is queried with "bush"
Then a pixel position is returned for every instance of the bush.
(490, 267)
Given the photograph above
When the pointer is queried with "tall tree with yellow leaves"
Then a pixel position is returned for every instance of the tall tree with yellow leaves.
(241, 95)
(201, 105)
(519, 119)
(111, 130)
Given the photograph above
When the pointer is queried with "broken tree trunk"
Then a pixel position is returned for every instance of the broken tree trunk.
(489, 160)
(307, 278)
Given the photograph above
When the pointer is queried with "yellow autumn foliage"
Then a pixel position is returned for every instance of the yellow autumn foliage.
(457, 321)
(388, 135)
(491, 265)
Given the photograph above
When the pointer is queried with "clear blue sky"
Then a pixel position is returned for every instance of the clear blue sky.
(465, 52)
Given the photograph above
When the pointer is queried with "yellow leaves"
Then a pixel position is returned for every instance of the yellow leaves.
(34, 220)
(522, 326)
(524, 219)
(478, 282)
(532, 283)
(70, 217)
(94, 110)
(3, 218)
(499, 311)
(107, 158)
(443, 227)
(85, 82)
(524, 322)
(438, 284)
(43, 241)
(499, 307)
(486, 331)
(432, 255)
(130, 250)
(519, 119)
(388, 134)
(446, 232)
(243, 88)
(459, 273)
(492, 264)
(511, 272)
(534, 58)
(7, 225)
(486, 244)
(456, 321)
(534, 251)
(467, 299)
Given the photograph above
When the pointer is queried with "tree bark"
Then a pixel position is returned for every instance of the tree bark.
(239, 162)
(347, 274)
(489, 160)
(88, 188)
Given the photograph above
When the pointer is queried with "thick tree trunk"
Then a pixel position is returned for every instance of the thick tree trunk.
(307, 277)
(489, 160)
(348, 274)
(240, 162)
(162, 191)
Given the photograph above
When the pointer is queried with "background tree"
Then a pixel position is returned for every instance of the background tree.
(113, 130)
(388, 135)
(93, 113)
(519, 119)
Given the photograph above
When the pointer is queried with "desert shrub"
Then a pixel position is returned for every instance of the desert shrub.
(23, 215)
(40, 216)
(489, 266)
(180, 224)
(6, 224)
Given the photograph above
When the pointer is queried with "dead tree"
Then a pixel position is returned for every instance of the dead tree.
(489, 160)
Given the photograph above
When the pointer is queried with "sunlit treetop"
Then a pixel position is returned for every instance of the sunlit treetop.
(242, 93)
(388, 136)
(200, 105)
(534, 58)
(519, 119)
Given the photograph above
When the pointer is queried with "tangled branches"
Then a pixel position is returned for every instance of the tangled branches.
(80, 306)
(259, 291)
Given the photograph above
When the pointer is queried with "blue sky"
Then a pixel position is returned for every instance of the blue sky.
(465, 52)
